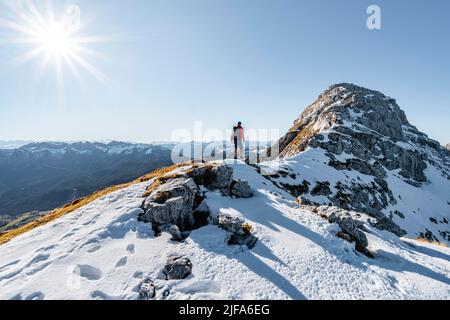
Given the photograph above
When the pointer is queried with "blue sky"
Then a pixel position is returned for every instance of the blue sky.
(172, 62)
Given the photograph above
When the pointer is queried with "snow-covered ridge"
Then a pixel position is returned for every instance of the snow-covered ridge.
(336, 217)
(102, 251)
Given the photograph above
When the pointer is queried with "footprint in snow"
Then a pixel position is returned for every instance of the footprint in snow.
(122, 262)
(38, 295)
(45, 249)
(94, 249)
(131, 248)
(100, 295)
(68, 235)
(37, 259)
(6, 266)
(88, 272)
(202, 287)
(38, 268)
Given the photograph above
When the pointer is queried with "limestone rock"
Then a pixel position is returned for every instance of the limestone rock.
(176, 207)
(213, 177)
(147, 290)
(303, 201)
(177, 268)
(238, 234)
(248, 240)
(241, 189)
(231, 223)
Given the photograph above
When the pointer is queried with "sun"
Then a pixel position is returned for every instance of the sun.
(55, 40)
(49, 37)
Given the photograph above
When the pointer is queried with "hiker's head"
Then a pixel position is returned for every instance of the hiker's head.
(239, 124)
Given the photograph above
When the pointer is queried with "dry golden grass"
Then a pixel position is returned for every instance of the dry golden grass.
(68, 208)
(247, 227)
(163, 175)
(300, 142)
(435, 243)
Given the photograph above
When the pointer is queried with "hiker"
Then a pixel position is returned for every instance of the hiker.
(238, 139)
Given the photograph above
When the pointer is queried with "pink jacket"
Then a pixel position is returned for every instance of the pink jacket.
(239, 134)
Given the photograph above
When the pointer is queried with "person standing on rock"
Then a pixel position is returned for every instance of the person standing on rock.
(238, 139)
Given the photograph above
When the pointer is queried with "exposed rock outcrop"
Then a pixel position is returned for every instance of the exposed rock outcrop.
(240, 189)
(177, 268)
(239, 232)
(173, 203)
(176, 202)
(351, 224)
(147, 289)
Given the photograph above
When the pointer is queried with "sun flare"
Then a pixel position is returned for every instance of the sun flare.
(50, 38)
(55, 39)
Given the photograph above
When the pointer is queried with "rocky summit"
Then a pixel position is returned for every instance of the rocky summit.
(371, 160)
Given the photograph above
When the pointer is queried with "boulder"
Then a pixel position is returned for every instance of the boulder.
(303, 201)
(231, 223)
(350, 226)
(213, 177)
(222, 177)
(248, 240)
(172, 203)
(147, 290)
(383, 223)
(177, 268)
(241, 189)
(175, 232)
(238, 233)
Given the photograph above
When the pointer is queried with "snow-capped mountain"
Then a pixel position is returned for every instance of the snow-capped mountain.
(60, 149)
(13, 144)
(278, 230)
(447, 146)
(354, 148)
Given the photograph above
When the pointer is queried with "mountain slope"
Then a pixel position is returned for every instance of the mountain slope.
(336, 217)
(101, 251)
(355, 149)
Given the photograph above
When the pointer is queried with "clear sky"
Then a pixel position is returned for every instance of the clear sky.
(172, 62)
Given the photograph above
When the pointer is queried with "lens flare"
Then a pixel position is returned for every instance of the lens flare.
(49, 37)
(55, 39)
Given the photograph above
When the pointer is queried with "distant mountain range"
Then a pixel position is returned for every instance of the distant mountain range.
(42, 176)
(13, 144)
